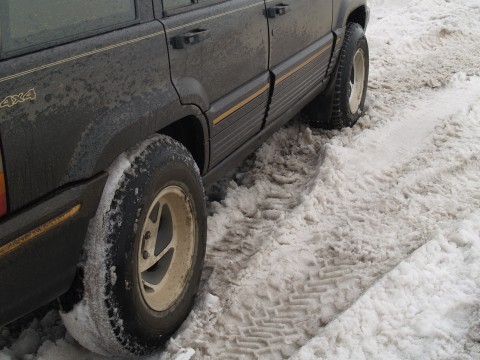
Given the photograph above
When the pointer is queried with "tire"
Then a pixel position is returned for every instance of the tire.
(343, 104)
(144, 252)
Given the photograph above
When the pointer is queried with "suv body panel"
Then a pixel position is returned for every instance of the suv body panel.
(300, 48)
(307, 22)
(299, 75)
(45, 266)
(119, 98)
(119, 86)
(226, 68)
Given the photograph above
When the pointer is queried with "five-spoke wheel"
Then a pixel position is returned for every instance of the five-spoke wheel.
(167, 246)
(144, 252)
(357, 81)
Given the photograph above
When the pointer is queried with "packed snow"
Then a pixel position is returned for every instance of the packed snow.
(354, 244)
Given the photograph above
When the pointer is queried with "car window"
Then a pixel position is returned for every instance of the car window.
(26, 23)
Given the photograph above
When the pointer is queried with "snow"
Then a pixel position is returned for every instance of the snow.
(88, 321)
(355, 244)
(426, 308)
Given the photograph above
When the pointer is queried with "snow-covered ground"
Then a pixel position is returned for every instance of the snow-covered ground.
(359, 244)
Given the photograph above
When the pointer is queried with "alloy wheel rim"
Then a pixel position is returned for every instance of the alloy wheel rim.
(167, 245)
(356, 81)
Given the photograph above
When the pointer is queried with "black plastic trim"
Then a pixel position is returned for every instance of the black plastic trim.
(42, 269)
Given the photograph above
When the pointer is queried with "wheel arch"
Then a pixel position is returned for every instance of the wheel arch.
(104, 140)
(345, 11)
(190, 132)
(359, 16)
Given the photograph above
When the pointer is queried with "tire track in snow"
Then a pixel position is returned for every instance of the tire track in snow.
(426, 307)
(274, 315)
(245, 329)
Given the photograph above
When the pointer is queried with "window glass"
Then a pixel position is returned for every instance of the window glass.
(31, 22)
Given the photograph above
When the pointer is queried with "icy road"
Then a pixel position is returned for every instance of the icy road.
(359, 244)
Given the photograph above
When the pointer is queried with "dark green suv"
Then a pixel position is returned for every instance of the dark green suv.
(115, 114)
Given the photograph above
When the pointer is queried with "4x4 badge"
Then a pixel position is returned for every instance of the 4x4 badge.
(13, 100)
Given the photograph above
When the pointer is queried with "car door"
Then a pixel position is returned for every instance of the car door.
(219, 61)
(300, 48)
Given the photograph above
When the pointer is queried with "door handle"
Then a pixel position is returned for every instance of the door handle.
(190, 38)
(278, 10)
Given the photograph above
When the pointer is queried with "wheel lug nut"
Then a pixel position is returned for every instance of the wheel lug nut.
(145, 254)
(147, 235)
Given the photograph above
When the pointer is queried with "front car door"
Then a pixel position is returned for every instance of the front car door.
(300, 48)
(219, 61)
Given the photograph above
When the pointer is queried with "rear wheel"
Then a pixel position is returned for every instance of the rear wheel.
(343, 104)
(144, 252)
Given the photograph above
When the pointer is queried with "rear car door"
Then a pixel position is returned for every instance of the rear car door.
(300, 48)
(219, 61)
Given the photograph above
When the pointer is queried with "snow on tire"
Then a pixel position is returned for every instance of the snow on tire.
(144, 252)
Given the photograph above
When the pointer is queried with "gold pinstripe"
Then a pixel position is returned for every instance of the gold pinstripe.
(241, 104)
(5, 249)
(308, 61)
(80, 56)
(76, 57)
(262, 90)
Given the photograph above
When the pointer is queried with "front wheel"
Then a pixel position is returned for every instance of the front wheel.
(144, 252)
(343, 104)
